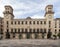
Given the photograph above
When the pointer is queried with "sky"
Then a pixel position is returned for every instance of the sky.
(30, 8)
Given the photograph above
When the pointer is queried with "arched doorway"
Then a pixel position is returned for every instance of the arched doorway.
(1, 35)
(7, 35)
(28, 35)
(20, 36)
(49, 34)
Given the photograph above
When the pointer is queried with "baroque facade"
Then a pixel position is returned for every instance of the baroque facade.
(28, 28)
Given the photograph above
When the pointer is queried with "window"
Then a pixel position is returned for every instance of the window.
(59, 30)
(7, 26)
(44, 30)
(30, 30)
(37, 30)
(18, 30)
(11, 30)
(33, 22)
(15, 30)
(49, 8)
(55, 24)
(41, 22)
(1, 29)
(30, 22)
(25, 22)
(7, 30)
(1, 25)
(44, 22)
(49, 22)
(22, 22)
(41, 30)
(11, 22)
(7, 22)
(49, 30)
(37, 22)
(25, 30)
(15, 22)
(55, 31)
(49, 26)
(18, 22)
(33, 30)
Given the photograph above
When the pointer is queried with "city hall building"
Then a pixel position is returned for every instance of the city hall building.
(28, 28)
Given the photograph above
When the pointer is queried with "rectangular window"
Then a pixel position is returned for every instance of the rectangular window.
(25, 22)
(49, 30)
(41, 30)
(33, 30)
(44, 30)
(7, 22)
(37, 30)
(33, 22)
(22, 22)
(15, 22)
(15, 30)
(18, 22)
(37, 22)
(30, 30)
(7, 30)
(44, 22)
(49, 22)
(18, 30)
(11, 22)
(41, 22)
(29, 22)
(49, 26)
(25, 30)
(55, 24)
(11, 30)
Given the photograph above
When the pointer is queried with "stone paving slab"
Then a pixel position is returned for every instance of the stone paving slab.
(30, 43)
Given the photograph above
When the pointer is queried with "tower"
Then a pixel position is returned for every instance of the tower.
(8, 13)
(49, 16)
(8, 17)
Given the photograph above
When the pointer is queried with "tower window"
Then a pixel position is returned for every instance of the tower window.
(11, 22)
(7, 22)
(49, 22)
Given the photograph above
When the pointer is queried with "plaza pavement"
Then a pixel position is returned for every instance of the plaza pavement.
(29, 43)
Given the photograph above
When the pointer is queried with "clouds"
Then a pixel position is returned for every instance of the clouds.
(26, 8)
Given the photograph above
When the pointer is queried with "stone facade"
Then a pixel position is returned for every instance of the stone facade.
(29, 28)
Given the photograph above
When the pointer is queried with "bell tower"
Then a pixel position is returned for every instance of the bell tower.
(8, 13)
(49, 14)
(8, 17)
